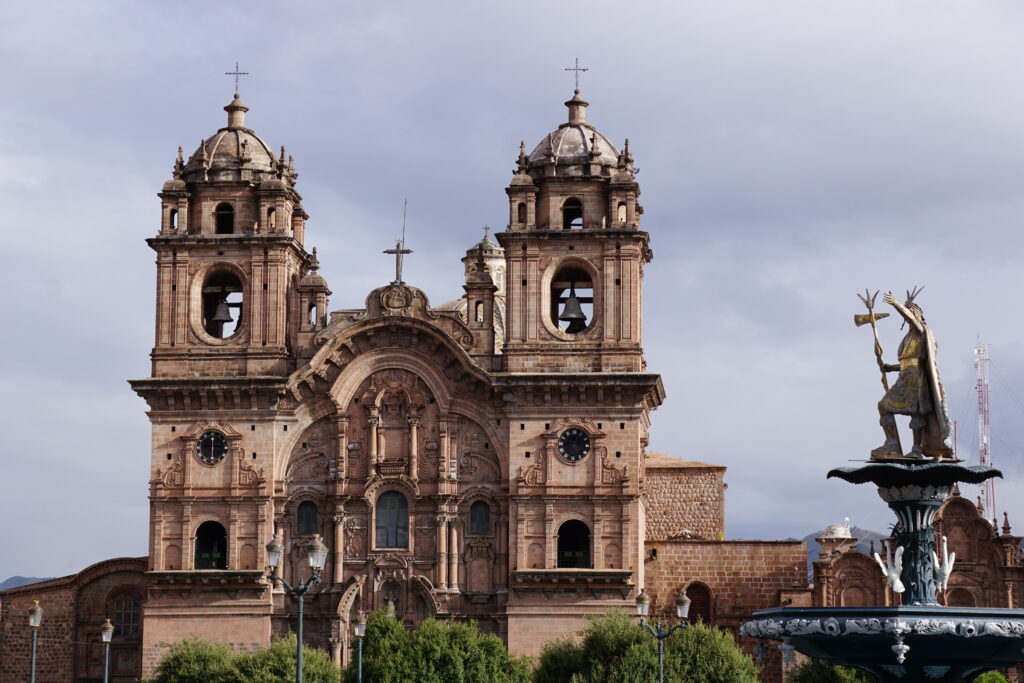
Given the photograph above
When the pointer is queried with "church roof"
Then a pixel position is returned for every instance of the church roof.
(666, 461)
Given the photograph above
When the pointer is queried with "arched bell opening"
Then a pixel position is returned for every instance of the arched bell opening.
(173, 220)
(521, 212)
(620, 213)
(222, 304)
(572, 300)
(211, 546)
(572, 214)
(574, 545)
(224, 219)
(272, 219)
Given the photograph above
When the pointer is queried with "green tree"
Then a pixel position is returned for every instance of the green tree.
(436, 652)
(277, 663)
(990, 677)
(614, 649)
(196, 661)
(817, 671)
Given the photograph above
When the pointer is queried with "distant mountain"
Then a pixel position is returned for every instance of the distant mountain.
(17, 581)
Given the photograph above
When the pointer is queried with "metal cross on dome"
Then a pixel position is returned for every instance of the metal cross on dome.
(577, 69)
(236, 73)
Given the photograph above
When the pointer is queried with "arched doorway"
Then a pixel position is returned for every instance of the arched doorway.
(211, 546)
(574, 545)
(700, 603)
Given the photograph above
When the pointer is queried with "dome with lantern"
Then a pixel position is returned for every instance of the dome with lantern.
(236, 154)
(575, 148)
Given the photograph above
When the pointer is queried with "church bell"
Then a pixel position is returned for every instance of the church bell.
(223, 313)
(573, 313)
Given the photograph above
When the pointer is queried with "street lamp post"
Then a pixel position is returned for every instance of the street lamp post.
(643, 605)
(107, 631)
(35, 617)
(360, 630)
(317, 559)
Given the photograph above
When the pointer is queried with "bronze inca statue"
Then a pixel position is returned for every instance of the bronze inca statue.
(917, 392)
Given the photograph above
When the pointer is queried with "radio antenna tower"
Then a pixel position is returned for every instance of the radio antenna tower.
(988, 488)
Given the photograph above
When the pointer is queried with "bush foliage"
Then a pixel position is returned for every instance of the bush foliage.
(436, 652)
(198, 661)
(614, 649)
(817, 671)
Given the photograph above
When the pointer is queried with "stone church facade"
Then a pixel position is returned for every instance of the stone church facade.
(483, 459)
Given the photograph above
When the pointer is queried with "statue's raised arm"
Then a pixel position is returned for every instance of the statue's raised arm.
(918, 391)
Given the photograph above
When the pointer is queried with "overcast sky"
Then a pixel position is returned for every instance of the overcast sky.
(792, 153)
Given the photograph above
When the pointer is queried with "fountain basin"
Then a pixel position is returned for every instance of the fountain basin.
(905, 643)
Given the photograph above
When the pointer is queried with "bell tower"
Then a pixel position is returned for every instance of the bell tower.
(229, 256)
(576, 394)
(238, 303)
(575, 253)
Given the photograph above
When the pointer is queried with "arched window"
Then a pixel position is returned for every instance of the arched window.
(573, 545)
(479, 315)
(392, 521)
(700, 603)
(621, 215)
(225, 219)
(271, 218)
(480, 518)
(572, 214)
(222, 304)
(307, 521)
(211, 546)
(521, 212)
(312, 314)
(572, 300)
(174, 220)
(127, 613)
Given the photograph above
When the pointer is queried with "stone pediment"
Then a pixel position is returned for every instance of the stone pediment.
(396, 302)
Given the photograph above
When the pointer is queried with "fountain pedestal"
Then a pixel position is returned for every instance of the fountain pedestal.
(920, 640)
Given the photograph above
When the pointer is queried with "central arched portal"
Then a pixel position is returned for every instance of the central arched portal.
(574, 545)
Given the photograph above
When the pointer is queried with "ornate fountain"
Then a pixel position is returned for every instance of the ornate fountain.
(919, 640)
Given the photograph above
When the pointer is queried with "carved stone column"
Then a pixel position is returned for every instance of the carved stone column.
(278, 570)
(339, 545)
(520, 536)
(188, 544)
(414, 426)
(232, 549)
(442, 553)
(156, 541)
(341, 465)
(550, 539)
(453, 557)
(372, 421)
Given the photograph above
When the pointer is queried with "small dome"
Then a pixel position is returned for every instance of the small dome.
(837, 531)
(232, 149)
(491, 248)
(574, 142)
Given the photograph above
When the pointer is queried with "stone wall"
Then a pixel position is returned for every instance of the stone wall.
(684, 499)
(740, 577)
(54, 649)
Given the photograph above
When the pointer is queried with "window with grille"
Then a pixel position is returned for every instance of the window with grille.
(127, 612)
(392, 521)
